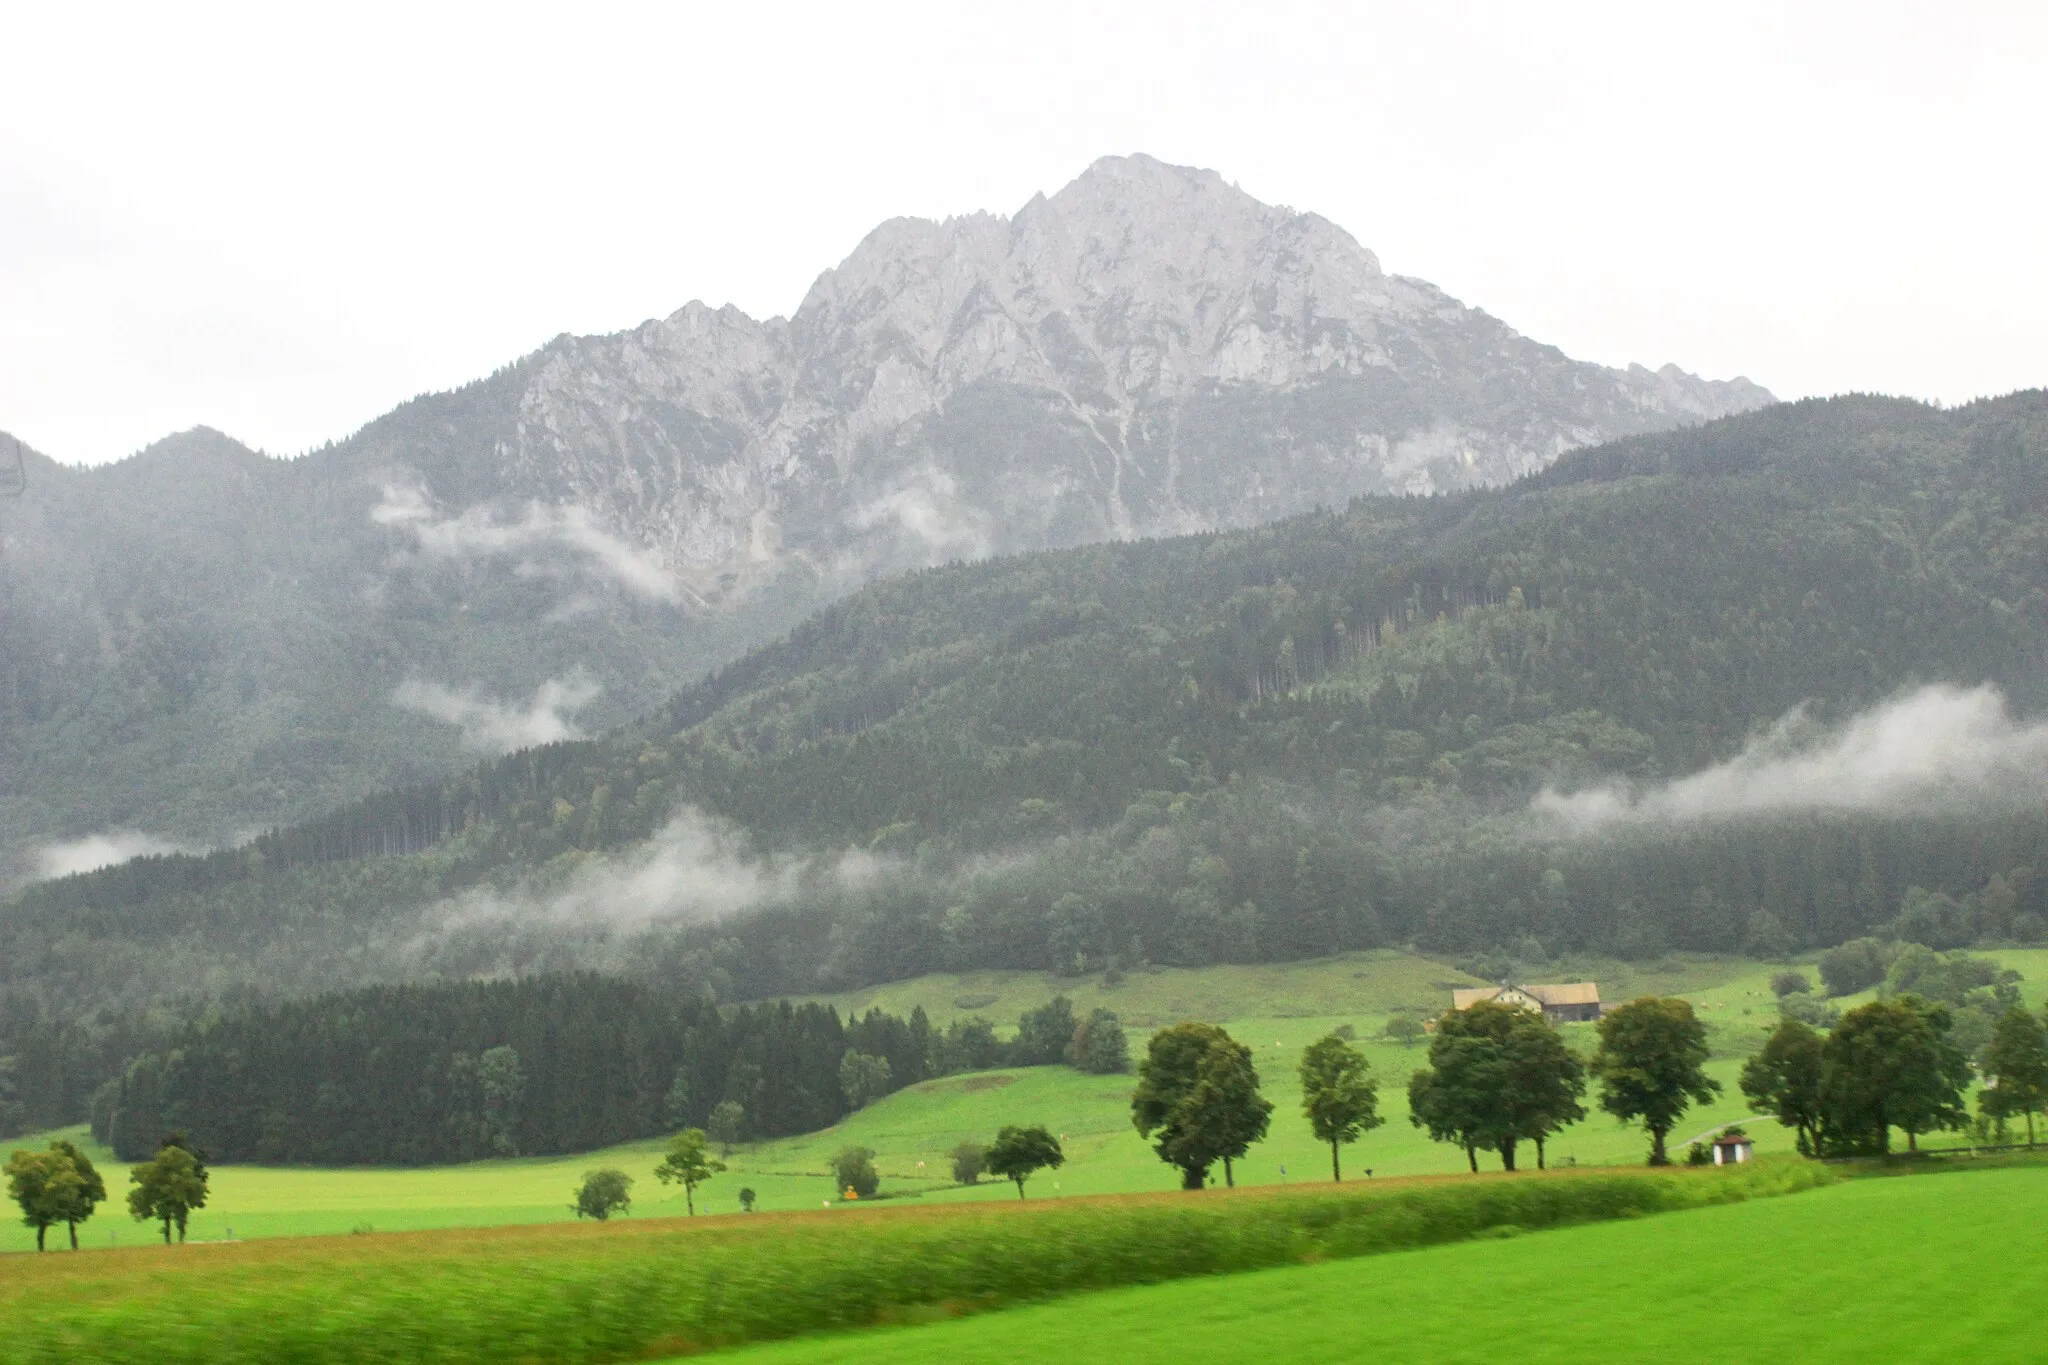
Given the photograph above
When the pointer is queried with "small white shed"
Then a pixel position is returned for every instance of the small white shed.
(1732, 1148)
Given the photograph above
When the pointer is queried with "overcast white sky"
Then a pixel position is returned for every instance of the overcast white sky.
(285, 219)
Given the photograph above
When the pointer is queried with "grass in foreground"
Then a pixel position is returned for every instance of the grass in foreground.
(1944, 1267)
(637, 1290)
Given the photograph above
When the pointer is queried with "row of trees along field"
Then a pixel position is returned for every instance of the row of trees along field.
(456, 1071)
(1270, 744)
(61, 1185)
(1500, 1075)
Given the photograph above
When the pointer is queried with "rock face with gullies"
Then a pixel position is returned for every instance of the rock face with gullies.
(200, 641)
(1148, 351)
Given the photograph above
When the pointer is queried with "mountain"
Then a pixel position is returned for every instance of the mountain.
(212, 641)
(1762, 685)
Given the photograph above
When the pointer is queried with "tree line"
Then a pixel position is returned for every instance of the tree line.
(457, 1071)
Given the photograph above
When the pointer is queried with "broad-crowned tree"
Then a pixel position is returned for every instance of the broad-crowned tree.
(1197, 1096)
(42, 1184)
(78, 1198)
(2015, 1069)
(863, 1078)
(969, 1159)
(1018, 1152)
(1783, 1080)
(688, 1163)
(1044, 1034)
(1497, 1075)
(1652, 1066)
(727, 1124)
(854, 1171)
(1339, 1095)
(1100, 1046)
(603, 1193)
(168, 1187)
(1889, 1064)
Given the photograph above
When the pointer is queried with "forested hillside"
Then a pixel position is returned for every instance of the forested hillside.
(1323, 734)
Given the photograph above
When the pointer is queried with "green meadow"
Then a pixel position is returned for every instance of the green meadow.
(1277, 1009)
(1942, 1267)
(646, 1288)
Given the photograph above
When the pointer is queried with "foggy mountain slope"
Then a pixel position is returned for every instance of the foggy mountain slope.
(1744, 686)
(203, 641)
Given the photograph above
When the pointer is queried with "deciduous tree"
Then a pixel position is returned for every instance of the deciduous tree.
(2015, 1069)
(728, 1122)
(1044, 1034)
(40, 1183)
(1783, 1081)
(1405, 1030)
(854, 1169)
(1198, 1095)
(1018, 1152)
(1100, 1047)
(1652, 1066)
(1497, 1075)
(970, 1159)
(1339, 1095)
(168, 1187)
(80, 1197)
(688, 1163)
(864, 1078)
(1890, 1064)
(603, 1193)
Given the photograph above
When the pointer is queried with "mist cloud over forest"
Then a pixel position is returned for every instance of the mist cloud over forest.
(1940, 748)
(494, 727)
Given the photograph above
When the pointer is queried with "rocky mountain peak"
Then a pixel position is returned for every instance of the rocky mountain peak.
(1147, 350)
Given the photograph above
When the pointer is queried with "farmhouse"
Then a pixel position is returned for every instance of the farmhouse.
(1575, 1003)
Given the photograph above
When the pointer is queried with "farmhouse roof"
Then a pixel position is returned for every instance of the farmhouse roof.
(1575, 993)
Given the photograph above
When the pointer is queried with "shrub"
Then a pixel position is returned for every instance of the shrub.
(1856, 966)
(1809, 1011)
(854, 1169)
(1100, 1046)
(1698, 1155)
(1790, 983)
(1404, 1030)
(747, 1197)
(970, 1159)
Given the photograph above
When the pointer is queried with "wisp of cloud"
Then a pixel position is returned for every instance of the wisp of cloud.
(1940, 748)
(99, 850)
(497, 728)
(477, 533)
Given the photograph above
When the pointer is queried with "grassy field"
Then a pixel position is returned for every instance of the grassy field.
(1938, 1268)
(648, 1288)
(1277, 1009)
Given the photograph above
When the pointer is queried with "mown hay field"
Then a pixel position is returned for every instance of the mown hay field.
(642, 1289)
